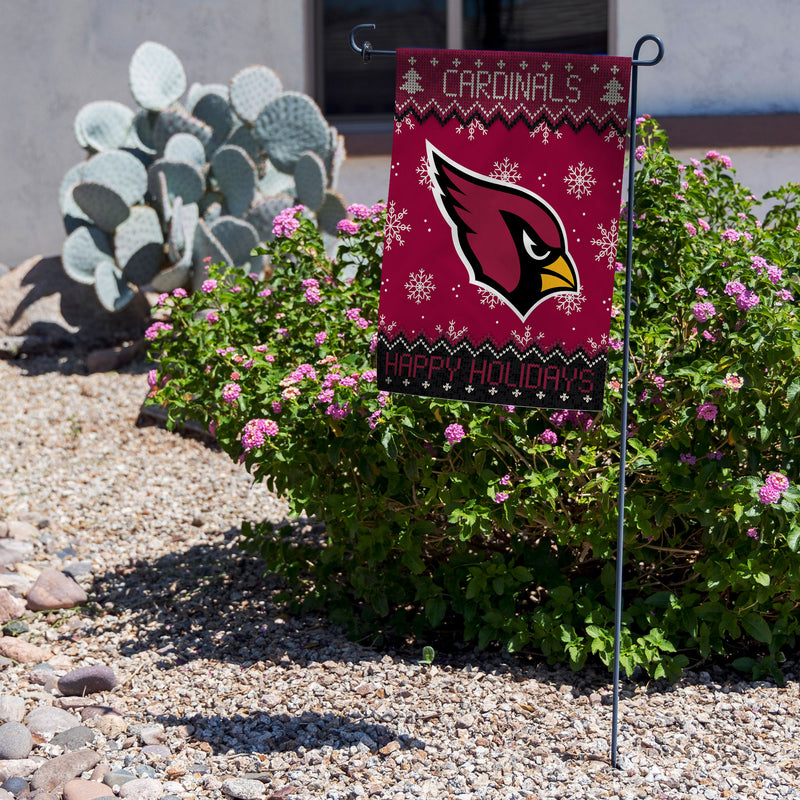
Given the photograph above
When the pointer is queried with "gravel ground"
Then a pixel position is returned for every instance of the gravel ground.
(239, 697)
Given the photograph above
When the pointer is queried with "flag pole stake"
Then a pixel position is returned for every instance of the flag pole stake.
(623, 445)
(366, 51)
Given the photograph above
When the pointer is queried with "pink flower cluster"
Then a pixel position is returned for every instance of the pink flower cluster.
(208, 286)
(734, 287)
(360, 211)
(348, 227)
(580, 419)
(454, 433)
(231, 392)
(733, 381)
(320, 337)
(297, 375)
(312, 291)
(156, 328)
(286, 223)
(688, 458)
(773, 488)
(703, 311)
(548, 436)
(713, 155)
(255, 430)
(746, 300)
(707, 411)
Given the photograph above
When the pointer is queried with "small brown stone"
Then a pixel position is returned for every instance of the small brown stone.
(20, 530)
(55, 589)
(10, 607)
(22, 651)
(78, 789)
(390, 748)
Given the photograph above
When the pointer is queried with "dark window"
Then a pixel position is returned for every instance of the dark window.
(568, 26)
(349, 87)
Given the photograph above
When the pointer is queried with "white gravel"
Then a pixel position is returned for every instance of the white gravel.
(237, 689)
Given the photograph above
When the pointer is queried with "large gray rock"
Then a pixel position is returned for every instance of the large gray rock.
(40, 307)
(15, 741)
(58, 771)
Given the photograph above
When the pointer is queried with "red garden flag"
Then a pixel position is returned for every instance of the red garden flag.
(501, 228)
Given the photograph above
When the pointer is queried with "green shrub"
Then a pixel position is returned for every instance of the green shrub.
(499, 522)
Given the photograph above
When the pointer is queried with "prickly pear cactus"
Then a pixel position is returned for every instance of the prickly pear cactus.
(190, 174)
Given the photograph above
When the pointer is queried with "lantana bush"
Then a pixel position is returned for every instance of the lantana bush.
(498, 524)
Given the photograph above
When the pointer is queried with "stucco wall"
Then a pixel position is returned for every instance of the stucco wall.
(57, 55)
(721, 56)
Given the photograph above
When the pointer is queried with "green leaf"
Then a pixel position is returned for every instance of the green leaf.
(756, 626)
(435, 609)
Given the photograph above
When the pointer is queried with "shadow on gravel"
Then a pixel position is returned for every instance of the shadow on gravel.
(214, 601)
(211, 601)
(277, 733)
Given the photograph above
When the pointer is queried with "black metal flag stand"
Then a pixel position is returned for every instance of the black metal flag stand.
(366, 51)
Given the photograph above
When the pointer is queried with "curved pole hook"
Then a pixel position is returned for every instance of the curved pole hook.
(652, 62)
(366, 50)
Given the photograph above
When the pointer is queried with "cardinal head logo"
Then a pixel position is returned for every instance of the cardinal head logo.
(510, 240)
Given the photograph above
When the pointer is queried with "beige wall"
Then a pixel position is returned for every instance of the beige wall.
(57, 55)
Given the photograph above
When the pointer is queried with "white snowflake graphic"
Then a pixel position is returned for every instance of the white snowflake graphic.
(580, 180)
(523, 339)
(472, 128)
(620, 139)
(451, 332)
(506, 171)
(384, 327)
(420, 286)
(425, 173)
(607, 242)
(398, 124)
(395, 227)
(570, 301)
(545, 132)
(488, 298)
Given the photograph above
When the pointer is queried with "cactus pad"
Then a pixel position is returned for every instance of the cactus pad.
(103, 125)
(335, 157)
(141, 132)
(183, 180)
(331, 212)
(178, 120)
(206, 246)
(216, 113)
(251, 89)
(101, 204)
(236, 175)
(242, 136)
(156, 75)
(289, 125)
(172, 277)
(185, 147)
(275, 182)
(112, 290)
(83, 250)
(66, 203)
(120, 171)
(310, 178)
(199, 90)
(236, 236)
(139, 245)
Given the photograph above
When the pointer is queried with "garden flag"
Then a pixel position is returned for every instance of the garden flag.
(501, 226)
